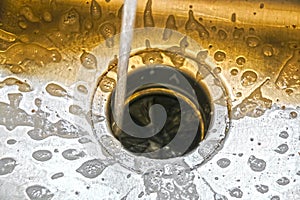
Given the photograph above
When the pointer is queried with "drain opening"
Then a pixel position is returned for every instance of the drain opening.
(187, 121)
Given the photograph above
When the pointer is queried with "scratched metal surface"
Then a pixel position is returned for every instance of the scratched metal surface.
(49, 150)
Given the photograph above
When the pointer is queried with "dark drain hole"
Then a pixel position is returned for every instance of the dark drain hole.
(174, 139)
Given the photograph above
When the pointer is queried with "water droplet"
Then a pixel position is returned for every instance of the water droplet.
(275, 198)
(148, 18)
(91, 168)
(95, 10)
(7, 165)
(233, 17)
(220, 56)
(108, 30)
(70, 22)
(22, 86)
(283, 181)
(248, 78)
(73, 154)
(223, 162)
(202, 55)
(240, 60)
(82, 89)
(268, 50)
(293, 115)
(7, 36)
(222, 34)
(238, 33)
(107, 84)
(170, 26)
(261, 5)
(217, 70)
(27, 12)
(38, 192)
(141, 194)
(11, 141)
(238, 94)
(57, 175)
(56, 90)
(287, 78)
(284, 134)
(256, 164)
(22, 53)
(283, 148)
(236, 192)
(252, 41)
(42, 155)
(193, 25)
(23, 25)
(234, 72)
(88, 60)
(75, 110)
(84, 140)
(262, 188)
(47, 16)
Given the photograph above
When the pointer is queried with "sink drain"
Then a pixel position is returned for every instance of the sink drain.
(176, 108)
(188, 114)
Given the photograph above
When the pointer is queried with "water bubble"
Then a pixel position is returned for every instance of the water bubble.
(56, 90)
(38, 192)
(234, 72)
(252, 41)
(148, 18)
(73, 154)
(220, 56)
(261, 5)
(95, 10)
(268, 50)
(107, 84)
(240, 60)
(7, 165)
(82, 89)
(256, 164)
(42, 155)
(222, 34)
(248, 78)
(262, 188)
(91, 168)
(223, 162)
(27, 12)
(284, 134)
(283, 181)
(88, 60)
(57, 175)
(283, 148)
(236, 192)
